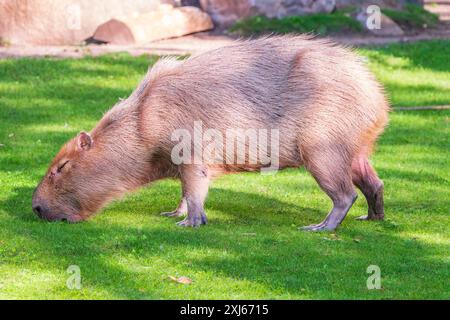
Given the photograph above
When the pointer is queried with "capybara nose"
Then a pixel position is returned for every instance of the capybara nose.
(38, 210)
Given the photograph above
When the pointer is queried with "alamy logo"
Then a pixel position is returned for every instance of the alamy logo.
(73, 17)
(373, 17)
(374, 280)
(74, 280)
(258, 147)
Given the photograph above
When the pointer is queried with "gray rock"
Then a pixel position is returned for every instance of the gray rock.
(165, 22)
(226, 12)
(61, 22)
(379, 26)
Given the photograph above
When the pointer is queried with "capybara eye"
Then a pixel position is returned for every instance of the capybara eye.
(62, 166)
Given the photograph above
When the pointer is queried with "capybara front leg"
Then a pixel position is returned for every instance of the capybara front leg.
(195, 181)
(181, 210)
(366, 179)
(333, 176)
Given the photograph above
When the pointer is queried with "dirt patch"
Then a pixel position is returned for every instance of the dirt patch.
(195, 44)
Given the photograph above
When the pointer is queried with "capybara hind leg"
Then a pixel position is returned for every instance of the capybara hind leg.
(180, 211)
(335, 180)
(195, 181)
(366, 179)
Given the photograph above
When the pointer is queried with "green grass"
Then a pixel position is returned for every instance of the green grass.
(252, 247)
(413, 16)
(319, 23)
(417, 74)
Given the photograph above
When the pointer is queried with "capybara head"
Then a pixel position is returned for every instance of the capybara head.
(68, 190)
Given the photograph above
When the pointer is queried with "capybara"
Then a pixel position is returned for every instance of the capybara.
(323, 107)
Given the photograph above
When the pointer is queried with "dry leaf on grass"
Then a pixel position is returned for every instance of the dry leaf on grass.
(182, 280)
(332, 237)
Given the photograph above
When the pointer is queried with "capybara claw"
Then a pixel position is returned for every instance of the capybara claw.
(371, 217)
(318, 227)
(193, 222)
(184, 223)
(173, 214)
(188, 223)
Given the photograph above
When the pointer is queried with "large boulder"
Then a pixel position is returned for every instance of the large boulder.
(61, 22)
(364, 3)
(226, 12)
(282, 8)
(166, 22)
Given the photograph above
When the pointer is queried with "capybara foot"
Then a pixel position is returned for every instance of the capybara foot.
(319, 227)
(180, 211)
(193, 221)
(371, 217)
(175, 213)
(335, 217)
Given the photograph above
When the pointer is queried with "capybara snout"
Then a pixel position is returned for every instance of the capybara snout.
(61, 194)
(54, 213)
(323, 108)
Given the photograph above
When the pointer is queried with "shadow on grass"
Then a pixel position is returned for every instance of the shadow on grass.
(419, 56)
(429, 54)
(417, 128)
(50, 90)
(425, 95)
(309, 265)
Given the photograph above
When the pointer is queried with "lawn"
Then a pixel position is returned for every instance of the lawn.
(252, 247)
(321, 23)
(411, 19)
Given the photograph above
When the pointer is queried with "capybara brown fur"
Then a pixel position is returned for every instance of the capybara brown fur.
(318, 99)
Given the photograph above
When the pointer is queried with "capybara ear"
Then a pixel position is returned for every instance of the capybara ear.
(84, 141)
